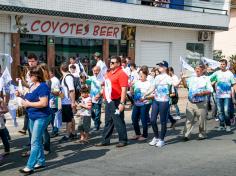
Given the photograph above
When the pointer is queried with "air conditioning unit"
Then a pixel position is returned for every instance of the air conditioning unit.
(204, 36)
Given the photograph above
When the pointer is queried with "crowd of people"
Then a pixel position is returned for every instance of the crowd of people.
(152, 94)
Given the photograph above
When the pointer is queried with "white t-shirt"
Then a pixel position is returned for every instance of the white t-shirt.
(77, 70)
(162, 87)
(87, 102)
(70, 83)
(134, 76)
(140, 88)
(175, 79)
(151, 79)
(103, 67)
(55, 83)
(127, 71)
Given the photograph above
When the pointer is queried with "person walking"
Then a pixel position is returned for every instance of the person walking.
(116, 83)
(37, 107)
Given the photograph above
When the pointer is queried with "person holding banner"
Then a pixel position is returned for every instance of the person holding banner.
(224, 81)
(199, 87)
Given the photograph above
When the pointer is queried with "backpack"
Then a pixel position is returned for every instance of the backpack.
(173, 99)
(77, 85)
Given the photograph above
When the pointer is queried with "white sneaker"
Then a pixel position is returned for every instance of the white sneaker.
(160, 143)
(177, 117)
(154, 141)
(228, 129)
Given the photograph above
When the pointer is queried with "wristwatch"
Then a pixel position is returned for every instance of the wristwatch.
(122, 103)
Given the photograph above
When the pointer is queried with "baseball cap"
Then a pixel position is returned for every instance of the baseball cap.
(97, 54)
(163, 64)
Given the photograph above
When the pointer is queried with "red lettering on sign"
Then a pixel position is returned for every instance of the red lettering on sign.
(79, 29)
(72, 28)
(54, 27)
(116, 30)
(109, 31)
(86, 29)
(103, 31)
(45, 26)
(96, 30)
(33, 28)
(66, 25)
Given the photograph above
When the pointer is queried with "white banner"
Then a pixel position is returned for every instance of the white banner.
(185, 65)
(64, 27)
(211, 63)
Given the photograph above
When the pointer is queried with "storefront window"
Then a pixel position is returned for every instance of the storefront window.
(118, 47)
(33, 44)
(194, 53)
(81, 48)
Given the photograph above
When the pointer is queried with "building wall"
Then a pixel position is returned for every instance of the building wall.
(123, 10)
(5, 37)
(226, 41)
(178, 40)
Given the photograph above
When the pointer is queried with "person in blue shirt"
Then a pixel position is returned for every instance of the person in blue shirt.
(37, 107)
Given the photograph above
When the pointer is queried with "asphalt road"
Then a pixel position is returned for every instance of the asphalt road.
(215, 156)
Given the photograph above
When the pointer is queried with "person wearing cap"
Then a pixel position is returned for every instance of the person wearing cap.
(161, 88)
(224, 81)
(199, 88)
(102, 65)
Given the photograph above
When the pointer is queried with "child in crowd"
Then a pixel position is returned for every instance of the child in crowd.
(3, 134)
(85, 105)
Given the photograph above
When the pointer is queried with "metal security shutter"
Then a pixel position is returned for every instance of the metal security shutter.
(153, 52)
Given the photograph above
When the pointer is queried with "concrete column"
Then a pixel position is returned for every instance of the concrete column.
(131, 49)
(15, 52)
(51, 54)
(105, 50)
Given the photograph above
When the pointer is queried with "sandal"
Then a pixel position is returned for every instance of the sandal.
(141, 138)
(25, 154)
(135, 137)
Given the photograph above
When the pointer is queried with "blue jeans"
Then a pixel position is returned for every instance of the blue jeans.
(46, 136)
(177, 109)
(223, 108)
(96, 114)
(54, 129)
(5, 141)
(163, 108)
(147, 111)
(37, 128)
(113, 119)
(140, 112)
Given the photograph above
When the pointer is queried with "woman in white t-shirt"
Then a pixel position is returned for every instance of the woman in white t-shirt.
(139, 111)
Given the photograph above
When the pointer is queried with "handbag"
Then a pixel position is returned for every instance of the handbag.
(174, 98)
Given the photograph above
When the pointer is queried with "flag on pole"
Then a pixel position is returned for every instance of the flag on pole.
(185, 65)
(5, 60)
(211, 63)
(6, 76)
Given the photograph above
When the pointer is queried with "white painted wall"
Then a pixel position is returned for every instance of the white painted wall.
(177, 38)
(226, 41)
(114, 9)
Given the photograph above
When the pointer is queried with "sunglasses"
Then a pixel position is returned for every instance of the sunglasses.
(113, 63)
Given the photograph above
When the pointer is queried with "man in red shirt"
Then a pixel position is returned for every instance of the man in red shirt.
(116, 83)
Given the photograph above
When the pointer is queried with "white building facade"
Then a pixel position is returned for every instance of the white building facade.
(55, 30)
